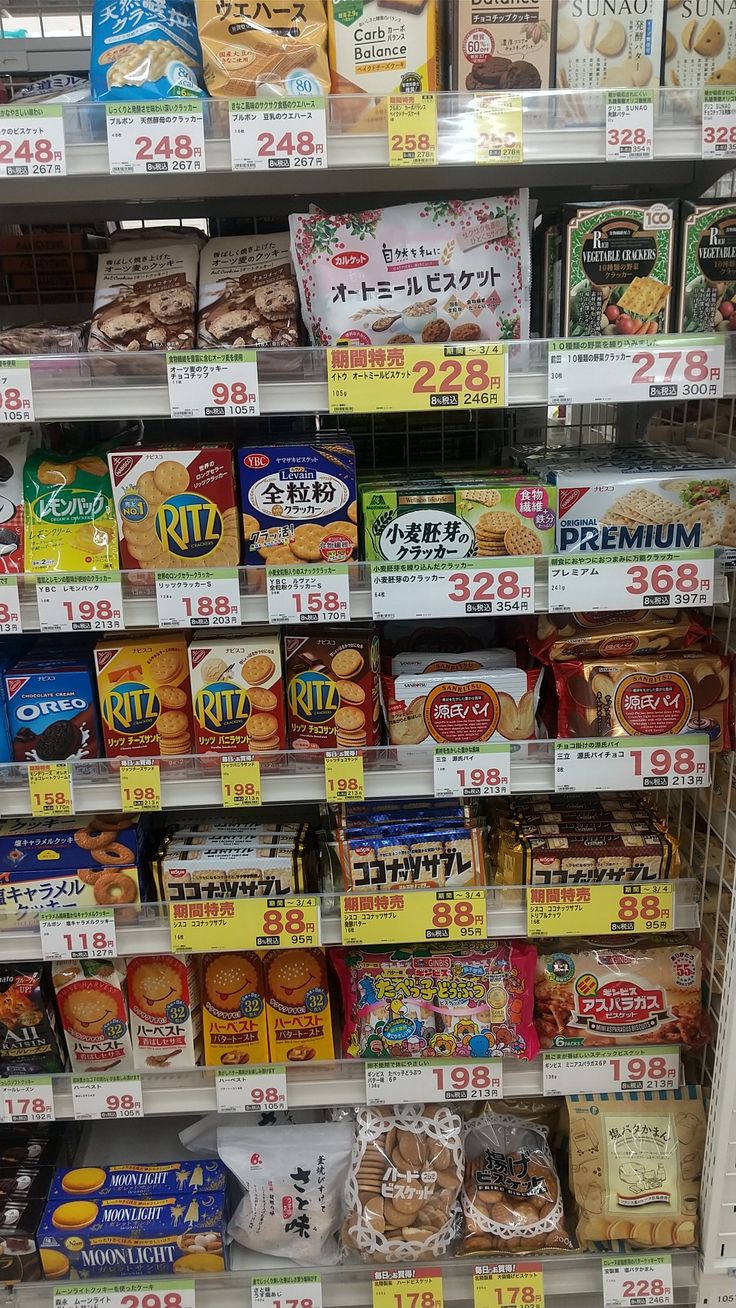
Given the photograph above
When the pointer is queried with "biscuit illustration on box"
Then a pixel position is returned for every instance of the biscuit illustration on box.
(498, 48)
(707, 300)
(233, 1010)
(51, 710)
(94, 1014)
(299, 502)
(238, 695)
(612, 45)
(298, 1005)
(332, 689)
(618, 269)
(165, 1012)
(144, 697)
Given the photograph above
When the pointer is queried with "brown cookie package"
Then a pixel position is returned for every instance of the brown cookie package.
(145, 298)
(332, 690)
(498, 47)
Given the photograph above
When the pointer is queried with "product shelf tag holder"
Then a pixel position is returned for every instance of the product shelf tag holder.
(198, 599)
(32, 140)
(435, 1082)
(175, 1292)
(412, 130)
(251, 1089)
(637, 1281)
(240, 778)
(396, 917)
(619, 911)
(344, 780)
(140, 786)
(592, 583)
(632, 763)
(50, 787)
(278, 135)
(232, 924)
(103, 1098)
(508, 1285)
(299, 1290)
(461, 589)
(16, 392)
(10, 619)
(155, 137)
(402, 378)
(80, 602)
(610, 1071)
(309, 593)
(472, 770)
(498, 129)
(213, 384)
(719, 122)
(419, 1287)
(629, 125)
(27, 1101)
(602, 369)
(77, 933)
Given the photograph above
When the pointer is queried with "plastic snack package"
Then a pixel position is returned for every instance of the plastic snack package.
(146, 51)
(293, 1180)
(405, 1177)
(511, 1196)
(635, 1164)
(69, 513)
(264, 50)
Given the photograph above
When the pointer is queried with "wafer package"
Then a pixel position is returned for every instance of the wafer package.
(618, 269)
(264, 50)
(586, 853)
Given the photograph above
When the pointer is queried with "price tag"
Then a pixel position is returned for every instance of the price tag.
(639, 763)
(601, 371)
(600, 910)
(508, 1285)
(213, 384)
(498, 128)
(631, 1281)
(302, 1290)
(16, 392)
(174, 1293)
(390, 917)
(201, 928)
(201, 599)
(80, 601)
(140, 787)
(609, 1071)
(719, 122)
(10, 622)
(436, 1082)
(271, 135)
(251, 1089)
(402, 378)
(591, 583)
(102, 1097)
(27, 1101)
(412, 130)
(32, 141)
(629, 125)
(165, 137)
(240, 778)
(411, 1288)
(310, 593)
(344, 776)
(50, 786)
(78, 933)
(443, 589)
(472, 770)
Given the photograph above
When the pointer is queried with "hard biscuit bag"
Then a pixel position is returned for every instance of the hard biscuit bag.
(146, 51)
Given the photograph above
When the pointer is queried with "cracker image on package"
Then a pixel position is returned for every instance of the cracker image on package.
(237, 695)
(332, 691)
(700, 44)
(380, 50)
(247, 293)
(707, 299)
(619, 44)
(618, 269)
(176, 508)
(69, 514)
(165, 1011)
(144, 694)
(299, 502)
(145, 298)
(149, 51)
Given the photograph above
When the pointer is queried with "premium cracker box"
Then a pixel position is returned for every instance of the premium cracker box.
(700, 43)
(502, 47)
(609, 43)
(618, 269)
(707, 280)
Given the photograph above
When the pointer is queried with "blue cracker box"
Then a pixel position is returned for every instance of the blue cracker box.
(87, 1239)
(144, 1180)
(52, 712)
(299, 502)
(64, 845)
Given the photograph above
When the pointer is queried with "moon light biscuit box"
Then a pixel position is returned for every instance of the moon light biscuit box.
(299, 502)
(144, 696)
(237, 694)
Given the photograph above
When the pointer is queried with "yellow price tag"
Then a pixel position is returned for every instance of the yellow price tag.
(412, 131)
(240, 779)
(497, 121)
(399, 378)
(600, 910)
(344, 776)
(203, 927)
(393, 916)
(50, 786)
(140, 787)
(508, 1285)
(420, 1288)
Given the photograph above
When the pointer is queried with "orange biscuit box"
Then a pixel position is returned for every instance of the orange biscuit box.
(298, 1005)
(165, 1012)
(233, 1011)
(237, 694)
(145, 701)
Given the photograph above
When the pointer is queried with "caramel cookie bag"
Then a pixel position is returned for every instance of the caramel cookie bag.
(264, 50)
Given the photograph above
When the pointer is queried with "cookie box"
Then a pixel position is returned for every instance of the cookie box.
(145, 1179)
(267, 869)
(91, 1239)
(429, 856)
(707, 280)
(176, 508)
(52, 713)
(145, 298)
(29, 1034)
(233, 1009)
(299, 502)
(26, 1181)
(69, 518)
(247, 293)
(461, 707)
(699, 44)
(61, 845)
(24, 894)
(391, 49)
(298, 1005)
(610, 43)
(92, 1005)
(145, 704)
(618, 261)
(332, 688)
(497, 47)
(238, 694)
(20, 1219)
(164, 1011)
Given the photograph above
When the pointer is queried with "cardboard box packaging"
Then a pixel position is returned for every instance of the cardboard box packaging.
(144, 697)
(165, 1011)
(707, 280)
(618, 269)
(609, 43)
(700, 43)
(299, 502)
(499, 47)
(233, 1010)
(379, 50)
(237, 694)
(332, 688)
(52, 714)
(298, 1005)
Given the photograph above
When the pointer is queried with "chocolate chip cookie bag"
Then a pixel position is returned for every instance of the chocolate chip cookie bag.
(145, 298)
(247, 293)
(264, 50)
(403, 1185)
(146, 51)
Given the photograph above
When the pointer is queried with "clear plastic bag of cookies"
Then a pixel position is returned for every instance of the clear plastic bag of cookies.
(403, 1185)
(511, 1197)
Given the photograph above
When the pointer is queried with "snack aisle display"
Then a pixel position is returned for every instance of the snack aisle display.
(365, 901)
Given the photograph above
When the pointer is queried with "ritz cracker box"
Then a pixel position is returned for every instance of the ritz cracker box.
(144, 694)
(332, 689)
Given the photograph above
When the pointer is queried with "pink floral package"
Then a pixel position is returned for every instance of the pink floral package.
(438, 272)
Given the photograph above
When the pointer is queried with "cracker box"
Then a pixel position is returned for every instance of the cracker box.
(618, 269)
(238, 694)
(499, 47)
(408, 524)
(52, 713)
(609, 44)
(90, 994)
(176, 508)
(165, 1011)
(299, 502)
(247, 293)
(332, 691)
(707, 281)
(298, 1005)
(233, 1009)
(69, 517)
(700, 44)
(144, 697)
(378, 51)
(150, 1179)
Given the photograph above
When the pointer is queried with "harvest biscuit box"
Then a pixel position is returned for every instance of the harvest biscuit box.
(176, 508)
(297, 1005)
(700, 43)
(165, 1011)
(707, 281)
(144, 697)
(609, 43)
(618, 269)
(90, 994)
(498, 47)
(237, 694)
(379, 50)
(299, 502)
(233, 1009)
(332, 689)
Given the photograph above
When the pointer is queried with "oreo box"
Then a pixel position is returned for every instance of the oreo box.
(299, 502)
(52, 714)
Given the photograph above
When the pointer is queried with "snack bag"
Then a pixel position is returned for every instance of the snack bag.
(264, 50)
(69, 514)
(94, 1013)
(146, 51)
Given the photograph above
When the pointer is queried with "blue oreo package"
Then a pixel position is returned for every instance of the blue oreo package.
(148, 50)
